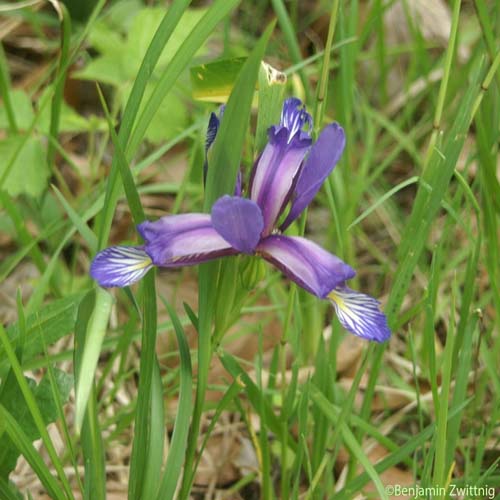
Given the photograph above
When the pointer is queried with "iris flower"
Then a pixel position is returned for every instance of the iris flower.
(284, 180)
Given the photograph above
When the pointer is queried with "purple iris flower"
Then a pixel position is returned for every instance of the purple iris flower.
(284, 180)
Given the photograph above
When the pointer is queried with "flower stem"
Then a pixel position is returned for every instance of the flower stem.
(284, 417)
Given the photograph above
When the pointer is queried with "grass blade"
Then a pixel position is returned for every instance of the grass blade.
(96, 330)
(149, 62)
(178, 444)
(32, 455)
(35, 413)
(145, 441)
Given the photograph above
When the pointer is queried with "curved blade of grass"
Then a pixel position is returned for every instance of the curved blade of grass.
(178, 444)
(5, 91)
(253, 393)
(382, 199)
(23, 234)
(322, 89)
(23, 444)
(351, 442)
(234, 389)
(35, 413)
(7, 490)
(133, 199)
(217, 12)
(398, 456)
(56, 395)
(57, 98)
(91, 439)
(228, 146)
(96, 330)
(151, 470)
(291, 40)
(160, 39)
(82, 227)
(145, 446)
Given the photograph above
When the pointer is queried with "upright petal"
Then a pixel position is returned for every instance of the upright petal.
(294, 117)
(120, 266)
(212, 129)
(183, 240)
(274, 173)
(306, 263)
(239, 221)
(323, 157)
(239, 180)
(360, 314)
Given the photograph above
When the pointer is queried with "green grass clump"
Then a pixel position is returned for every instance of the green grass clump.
(413, 205)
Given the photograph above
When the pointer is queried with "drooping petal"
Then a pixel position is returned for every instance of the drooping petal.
(120, 266)
(323, 157)
(306, 263)
(273, 174)
(183, 240)
(239, 221)
(360, 314)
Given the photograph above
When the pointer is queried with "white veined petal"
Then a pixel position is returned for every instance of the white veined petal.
(120, 266)
(360, 314)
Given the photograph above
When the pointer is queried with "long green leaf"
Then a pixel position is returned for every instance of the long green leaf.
(32, 455)
(57, 98)
(96, 330)
(34, 410)
(226, 155)
(178, 444)
(149, 62)
(91, 439)
(217, 12)
(144, 450)
(86, 233)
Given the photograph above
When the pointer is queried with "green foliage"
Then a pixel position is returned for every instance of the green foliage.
(29, 172)
(53, 321)
(412, 206)
(9, 392)
(122, 43)
(214, 81)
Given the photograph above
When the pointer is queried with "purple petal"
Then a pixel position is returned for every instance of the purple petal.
(183, 240)
(322, 159)
(274, 173)
(294, 117)
(306, 263)
(120, 266)
(360, 314)
(239, 221)
(237, 187)
(212, 129)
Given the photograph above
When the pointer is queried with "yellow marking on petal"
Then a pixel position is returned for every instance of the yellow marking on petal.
(141, 265)
(338, 300)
